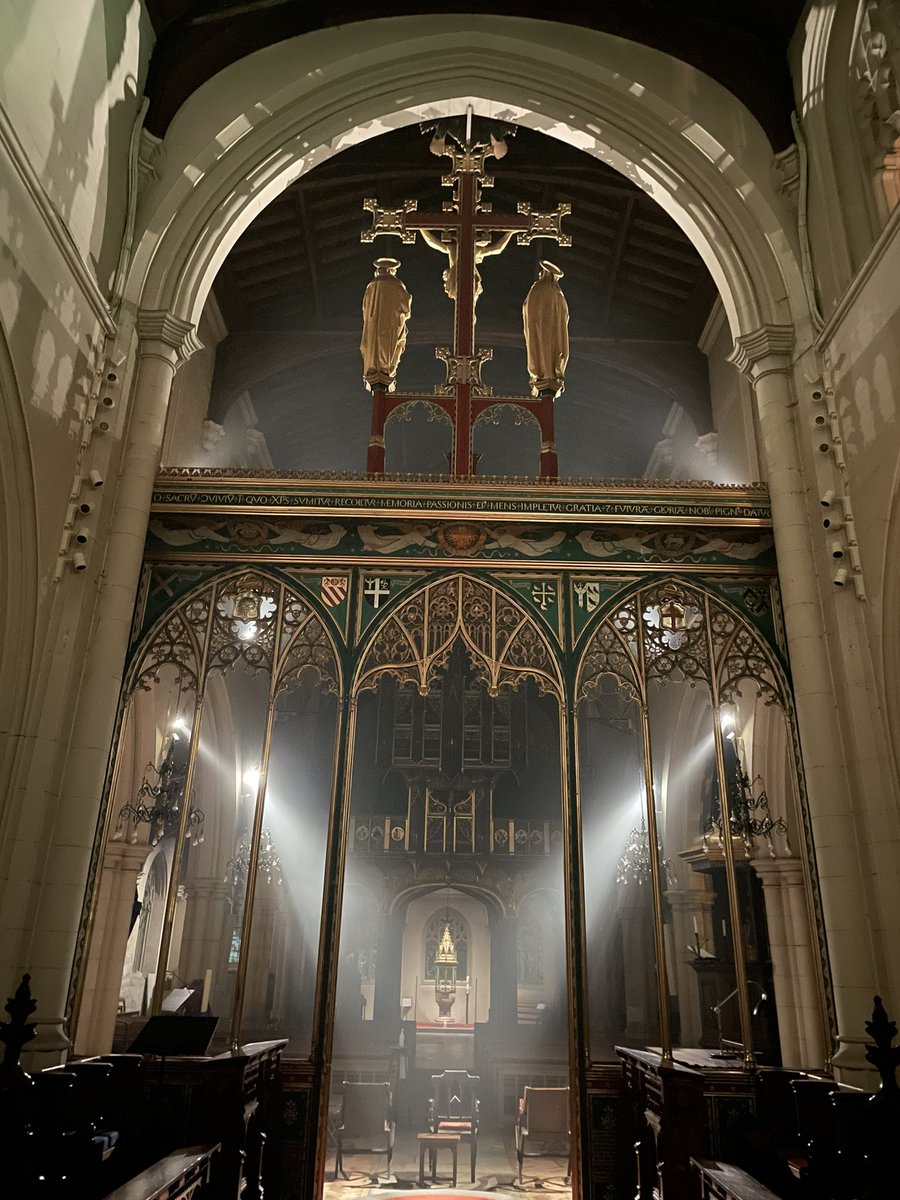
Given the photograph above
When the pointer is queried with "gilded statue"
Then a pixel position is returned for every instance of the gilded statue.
(545, 315)
(485, 246)
(386, 307)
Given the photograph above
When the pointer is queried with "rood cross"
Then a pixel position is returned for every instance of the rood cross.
(465, 230)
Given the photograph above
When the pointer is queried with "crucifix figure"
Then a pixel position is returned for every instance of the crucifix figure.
(467, 231)
(484, 248)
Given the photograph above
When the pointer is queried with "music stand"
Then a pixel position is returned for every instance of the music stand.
(173, 1037)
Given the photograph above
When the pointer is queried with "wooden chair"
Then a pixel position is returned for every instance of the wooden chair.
(366, 1116)
(454, 1108)
(543, 1120)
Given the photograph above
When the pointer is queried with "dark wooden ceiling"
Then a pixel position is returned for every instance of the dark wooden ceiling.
(290, 292)
(740, 43)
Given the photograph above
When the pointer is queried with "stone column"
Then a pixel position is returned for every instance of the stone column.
(122, 865)
(688, 905)
(387, 970)
(206, 937)
(765, 356)
(793, 963)
(504, 974)
(639, 963)
(165, 343)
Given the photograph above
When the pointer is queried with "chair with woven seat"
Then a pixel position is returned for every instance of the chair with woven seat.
(454, 1108)
(367, 1117)
(543, 1121)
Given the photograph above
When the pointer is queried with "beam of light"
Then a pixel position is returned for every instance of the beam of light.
(728, 722)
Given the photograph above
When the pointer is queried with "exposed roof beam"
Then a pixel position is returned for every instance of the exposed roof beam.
(302, 217)
(612, 267)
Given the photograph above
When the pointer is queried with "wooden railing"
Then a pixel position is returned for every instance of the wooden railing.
(183, 1175)
(384, 834)
(837, 1142)
(94, 1126)
(722, 1181)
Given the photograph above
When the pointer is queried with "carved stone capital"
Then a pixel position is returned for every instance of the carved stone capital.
(765, 350)
(212, 434)
(167, 336)
(779, 872)
(708, 444)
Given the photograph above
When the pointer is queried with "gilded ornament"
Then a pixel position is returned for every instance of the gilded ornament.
(545, 316)
(461, 538)
(386, 308)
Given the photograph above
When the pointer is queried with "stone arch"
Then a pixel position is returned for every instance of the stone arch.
(260, 123)
(431, 935)
(890, 615)
(19, 555)
(843, 216)
(489, 899)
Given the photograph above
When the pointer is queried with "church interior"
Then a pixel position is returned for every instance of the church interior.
(450, 478)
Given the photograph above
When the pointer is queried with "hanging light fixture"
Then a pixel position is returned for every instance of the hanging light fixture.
(634, 865)
(158, 804)
(750, 816)
(269, 865)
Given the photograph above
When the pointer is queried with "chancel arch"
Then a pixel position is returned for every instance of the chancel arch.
(19, 596)
(708, 166)
(449, 672)
(624, 112)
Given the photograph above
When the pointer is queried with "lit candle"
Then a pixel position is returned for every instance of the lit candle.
(696, 926)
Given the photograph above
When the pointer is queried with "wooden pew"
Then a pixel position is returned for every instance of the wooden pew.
(183, 1175)
(72, 1134)
(225, 1100)
(722, 1181)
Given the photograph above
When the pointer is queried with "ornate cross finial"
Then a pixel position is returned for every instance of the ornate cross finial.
(884, 1056)
(16, 1032)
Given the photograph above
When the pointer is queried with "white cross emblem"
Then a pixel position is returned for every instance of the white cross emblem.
(543, 594)
(377, 589)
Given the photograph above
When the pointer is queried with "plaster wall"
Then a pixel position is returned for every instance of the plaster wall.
(861, 346)
(72, 79)
(72, 74)
(735, 455)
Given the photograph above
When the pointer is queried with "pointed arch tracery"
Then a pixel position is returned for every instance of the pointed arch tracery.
(246, 617)
(502, 640)
(672, 630)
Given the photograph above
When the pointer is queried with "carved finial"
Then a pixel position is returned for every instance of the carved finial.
(17, 1031)
(884, 1056)
(446, 952)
